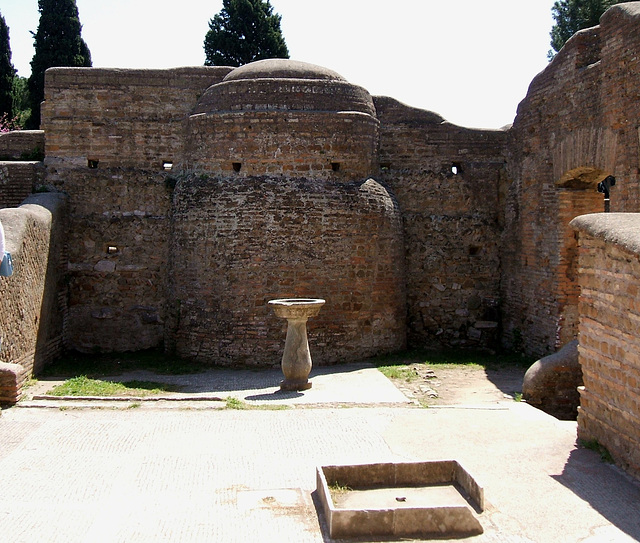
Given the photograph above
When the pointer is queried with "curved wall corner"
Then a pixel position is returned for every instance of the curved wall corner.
(237, 243)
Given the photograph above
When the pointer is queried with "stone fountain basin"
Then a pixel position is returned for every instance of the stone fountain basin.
(436, 499)
(292, 308)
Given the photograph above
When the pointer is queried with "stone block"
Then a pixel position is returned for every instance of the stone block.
(551, 383)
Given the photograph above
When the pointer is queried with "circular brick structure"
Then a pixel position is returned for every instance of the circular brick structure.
(239, 243)
(277, 201)
(286, 118)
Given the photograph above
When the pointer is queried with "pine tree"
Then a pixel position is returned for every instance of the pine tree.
(7, 73)
(573, 15)
(57, 42)
(244, 31)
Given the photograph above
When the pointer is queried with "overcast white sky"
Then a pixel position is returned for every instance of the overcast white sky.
(469, 61)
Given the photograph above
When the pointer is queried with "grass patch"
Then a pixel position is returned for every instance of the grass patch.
(595, 446)
(235, 403)
(85, 386)
(401, 372)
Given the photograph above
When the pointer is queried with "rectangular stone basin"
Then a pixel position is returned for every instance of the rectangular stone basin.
(423, 499)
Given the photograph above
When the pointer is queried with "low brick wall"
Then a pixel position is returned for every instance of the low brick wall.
(33, 299)
(21, 144)
(18, 180)
(609, 351)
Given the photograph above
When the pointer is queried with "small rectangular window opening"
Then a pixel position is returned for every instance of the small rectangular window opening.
(93, 163)
(167, 165)
(237, 166)
(474, 250)
(335, 166)
(456, 168)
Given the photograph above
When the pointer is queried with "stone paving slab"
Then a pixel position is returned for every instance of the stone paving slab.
(349, 384)
(190, 475)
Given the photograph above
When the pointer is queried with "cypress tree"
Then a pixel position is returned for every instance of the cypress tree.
(7, 73)
(244, 31)
(57, 42)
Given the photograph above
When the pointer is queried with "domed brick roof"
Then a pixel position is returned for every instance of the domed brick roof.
(280, 68)
(284, 85)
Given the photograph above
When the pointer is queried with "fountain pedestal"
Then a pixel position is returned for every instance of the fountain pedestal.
(296, 359)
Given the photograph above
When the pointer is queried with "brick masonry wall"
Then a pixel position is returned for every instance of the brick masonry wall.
(575, 127)
(241, 242)
(33, 299)
(21, 144)
(329, 145)
(121, 118)
(447, 181)
(118, 242)
(18, 180)
(609, 350)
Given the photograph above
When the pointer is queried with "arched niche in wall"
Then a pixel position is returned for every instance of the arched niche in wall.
(577, 194)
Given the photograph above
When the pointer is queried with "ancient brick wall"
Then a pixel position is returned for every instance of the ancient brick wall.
(447, 181)
(620, 96)
(18, 180)
(240, 242)
(112, 137)
(21, 144)
(329, 145)
(121, 118)
(33, 299)
(609, 350)
(118, 242)
(576, 126)
(284, 118)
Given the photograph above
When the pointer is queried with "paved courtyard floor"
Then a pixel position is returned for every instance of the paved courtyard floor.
(188, 470)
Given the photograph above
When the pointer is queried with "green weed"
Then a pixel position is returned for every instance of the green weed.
(402, 372)
(235, 403)
(338, 490)
(595, 446)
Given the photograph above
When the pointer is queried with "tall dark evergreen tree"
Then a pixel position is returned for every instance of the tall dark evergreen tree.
(573, 15)
(7, 72)
(57, 43)
(244, 31)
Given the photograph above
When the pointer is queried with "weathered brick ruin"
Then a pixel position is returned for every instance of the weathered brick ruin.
(195, 195)
(609, 341)
(274, 190)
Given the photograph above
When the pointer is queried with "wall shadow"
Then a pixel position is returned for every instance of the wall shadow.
(611, 492)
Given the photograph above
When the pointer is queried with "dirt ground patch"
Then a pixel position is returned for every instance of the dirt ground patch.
(460, 385)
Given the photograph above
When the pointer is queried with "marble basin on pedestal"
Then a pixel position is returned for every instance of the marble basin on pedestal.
(296, 359)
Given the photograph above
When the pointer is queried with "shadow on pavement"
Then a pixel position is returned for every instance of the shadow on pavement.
(507, 379)
(605, 487)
